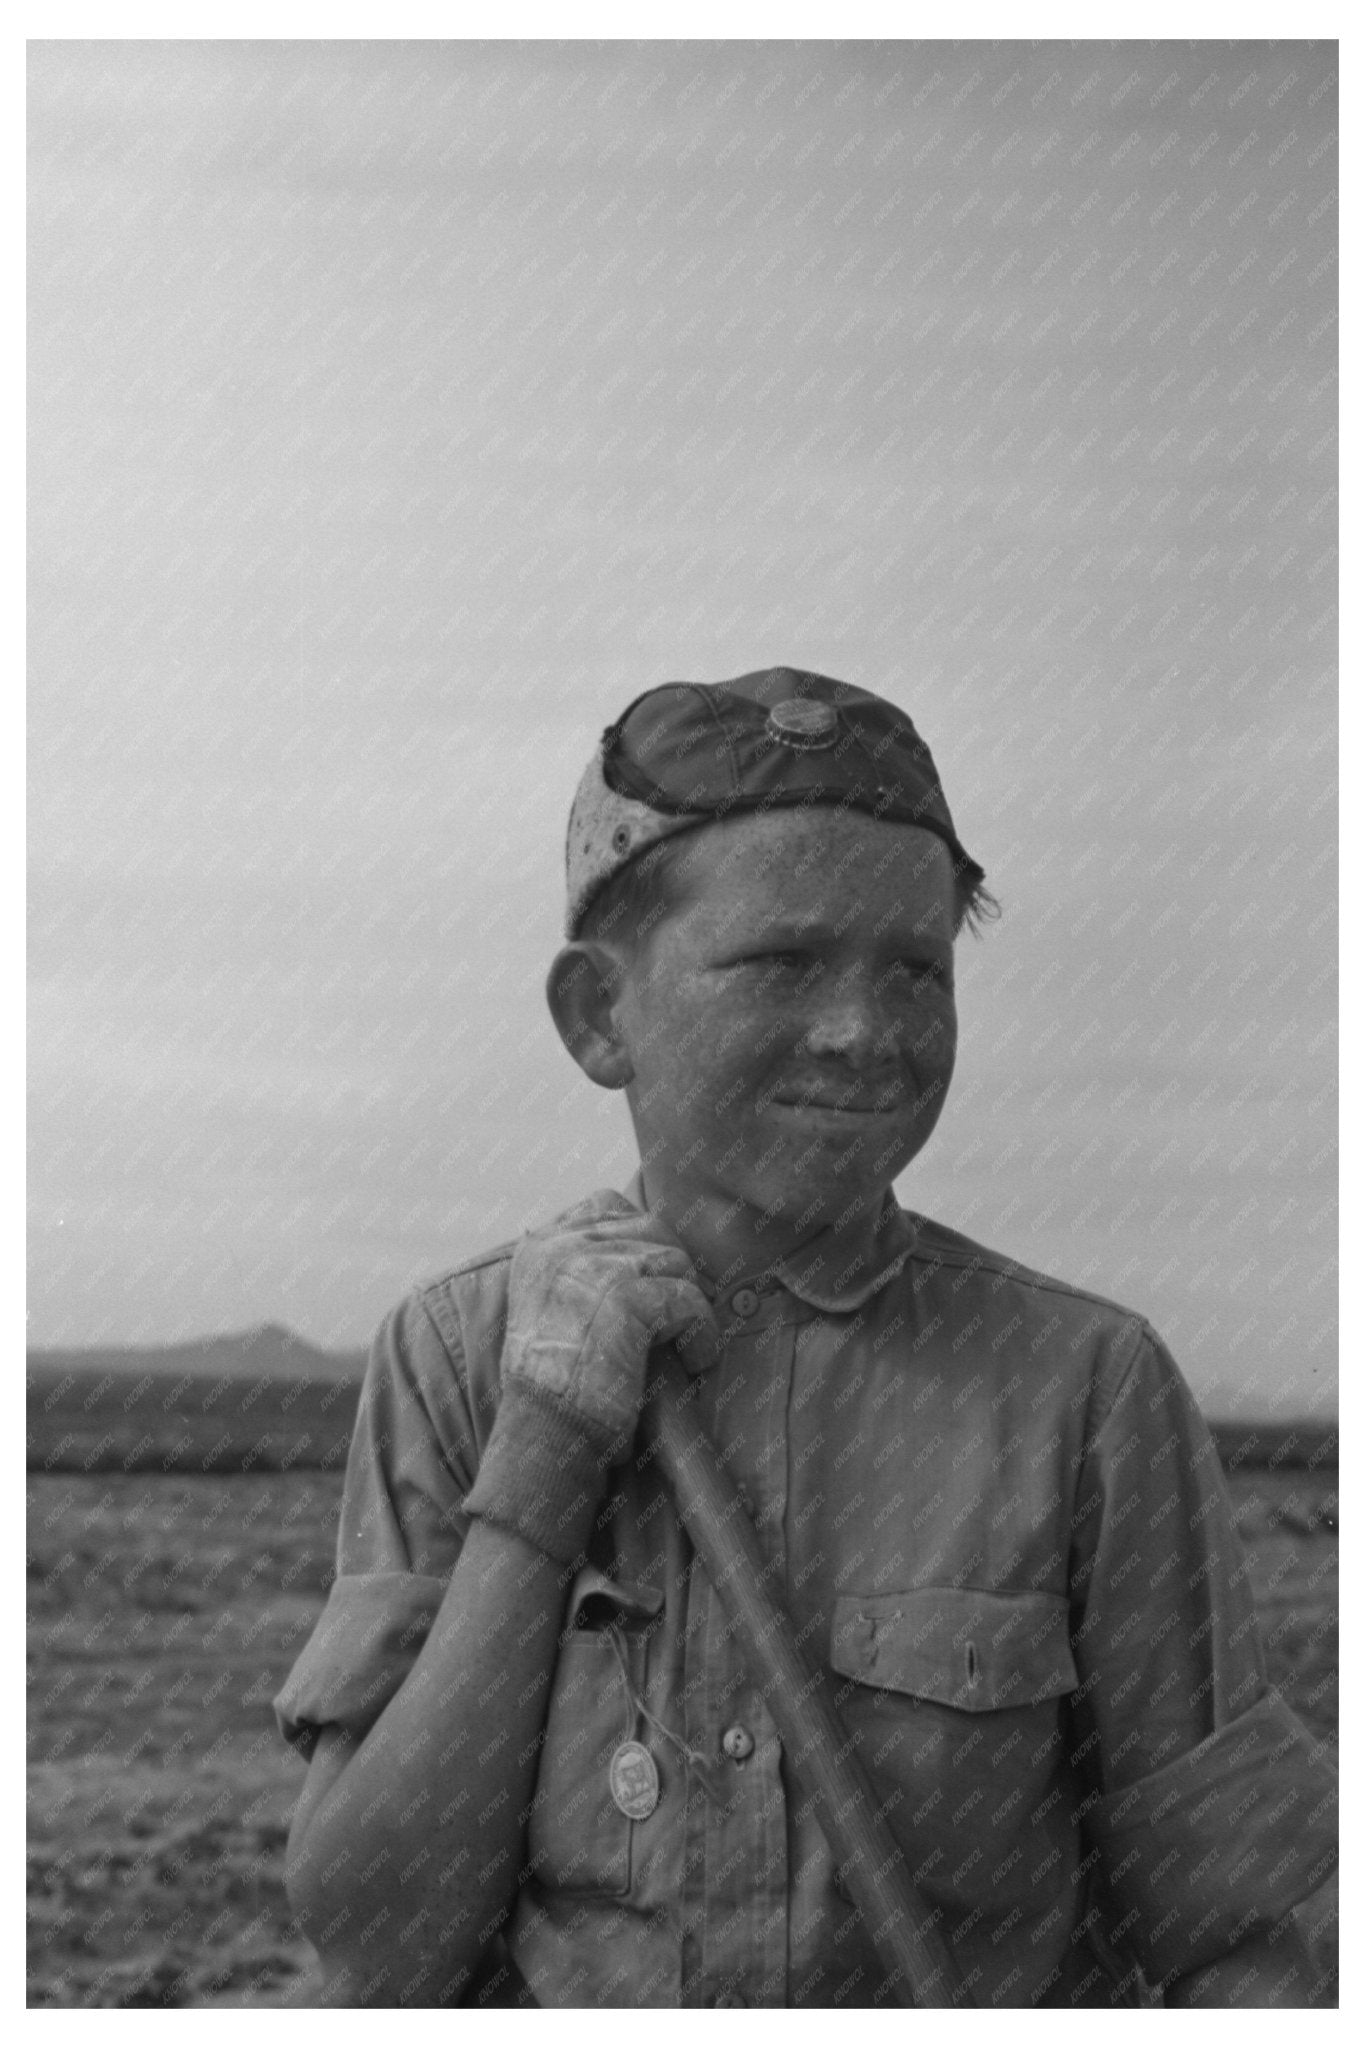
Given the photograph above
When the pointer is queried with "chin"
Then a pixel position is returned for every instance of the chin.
(828, 1198)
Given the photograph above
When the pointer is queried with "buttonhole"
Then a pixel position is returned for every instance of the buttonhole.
(973, 1669)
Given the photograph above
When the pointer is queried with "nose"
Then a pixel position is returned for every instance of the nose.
(849, 1020)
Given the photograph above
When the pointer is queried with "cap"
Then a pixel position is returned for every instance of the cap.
(684, 754)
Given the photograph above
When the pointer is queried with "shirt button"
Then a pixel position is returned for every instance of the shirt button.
(737, 1743)
(744, 1301)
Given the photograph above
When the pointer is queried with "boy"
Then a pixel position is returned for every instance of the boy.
(541, 1770)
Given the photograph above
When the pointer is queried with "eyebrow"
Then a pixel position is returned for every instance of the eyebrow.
(787, 929)
(791, 932)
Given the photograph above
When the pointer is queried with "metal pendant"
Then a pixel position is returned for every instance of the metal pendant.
(634, 1779)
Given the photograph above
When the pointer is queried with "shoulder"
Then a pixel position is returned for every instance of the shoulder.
(432, 1371)
(1032, 1316)
(482, 1275)
(969, 1266)
(466, 1306)
(1064, 1355)
(464, 1310)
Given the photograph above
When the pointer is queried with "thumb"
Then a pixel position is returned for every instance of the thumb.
(699, 1345)
(692, 1331)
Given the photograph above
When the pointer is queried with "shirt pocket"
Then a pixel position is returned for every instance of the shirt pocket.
(953, 1698)
(975, 1651)
(577, 1837)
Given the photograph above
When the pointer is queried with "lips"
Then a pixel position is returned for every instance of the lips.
(852, 1101)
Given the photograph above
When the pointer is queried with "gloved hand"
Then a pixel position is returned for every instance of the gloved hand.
(589, 1296)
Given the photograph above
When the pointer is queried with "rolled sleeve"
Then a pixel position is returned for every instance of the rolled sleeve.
(1222, 1844)
(1212, 1808)
(366, 1641)
(402, 1525)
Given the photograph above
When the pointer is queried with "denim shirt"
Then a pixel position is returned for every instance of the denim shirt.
(993, 1510)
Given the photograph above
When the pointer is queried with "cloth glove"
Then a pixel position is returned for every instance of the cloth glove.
(589, 1296)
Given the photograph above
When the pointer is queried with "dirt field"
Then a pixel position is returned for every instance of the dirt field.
(164, 1612)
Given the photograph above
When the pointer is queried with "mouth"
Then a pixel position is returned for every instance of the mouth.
(852, 1104)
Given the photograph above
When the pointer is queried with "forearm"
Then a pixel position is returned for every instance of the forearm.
(400, 1873)
(405, 1854)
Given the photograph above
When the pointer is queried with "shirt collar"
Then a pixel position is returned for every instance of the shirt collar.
(836, 1287)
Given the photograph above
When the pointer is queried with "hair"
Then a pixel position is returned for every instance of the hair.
(626, 909)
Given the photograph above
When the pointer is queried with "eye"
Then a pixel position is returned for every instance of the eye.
(916, 977)
(775, 961)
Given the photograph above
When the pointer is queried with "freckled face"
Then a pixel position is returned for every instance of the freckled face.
(791, 1022)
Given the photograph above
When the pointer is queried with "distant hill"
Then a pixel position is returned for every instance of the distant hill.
(271, 1350)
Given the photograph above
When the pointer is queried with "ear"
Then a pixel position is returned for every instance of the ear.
(583, 990)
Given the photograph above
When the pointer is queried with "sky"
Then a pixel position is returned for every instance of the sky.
(398, 411)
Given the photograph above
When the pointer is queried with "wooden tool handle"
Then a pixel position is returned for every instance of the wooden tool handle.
(799, 1696)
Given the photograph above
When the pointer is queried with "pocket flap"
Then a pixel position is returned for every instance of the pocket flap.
(975, 1650)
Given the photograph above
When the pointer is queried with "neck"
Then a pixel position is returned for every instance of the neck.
(729, 1241)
